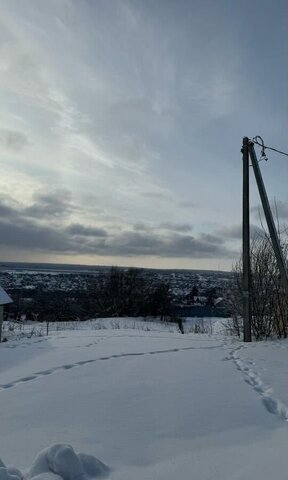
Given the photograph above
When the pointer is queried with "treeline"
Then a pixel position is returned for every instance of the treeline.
(117, 293)
(124, 293)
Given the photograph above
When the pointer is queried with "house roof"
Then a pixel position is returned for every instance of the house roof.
(218, 300)
(4, 297)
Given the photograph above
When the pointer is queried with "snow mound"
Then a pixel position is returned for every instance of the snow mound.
(6, 475)
(58, 462)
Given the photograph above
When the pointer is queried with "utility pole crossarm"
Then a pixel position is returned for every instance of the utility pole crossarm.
(269, 217)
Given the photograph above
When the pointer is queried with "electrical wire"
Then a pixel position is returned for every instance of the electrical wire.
(264, 147)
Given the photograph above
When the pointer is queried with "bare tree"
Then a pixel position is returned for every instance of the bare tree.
(269, 305)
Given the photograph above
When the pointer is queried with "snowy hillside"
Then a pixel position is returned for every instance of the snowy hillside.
(143, 403)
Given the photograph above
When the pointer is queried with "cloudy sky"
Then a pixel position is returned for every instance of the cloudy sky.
(121, 125)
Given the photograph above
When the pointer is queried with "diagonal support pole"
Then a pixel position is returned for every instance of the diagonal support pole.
(269, 218)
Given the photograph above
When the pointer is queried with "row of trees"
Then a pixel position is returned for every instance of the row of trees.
(128, 293)
(117, 293)
(269, 303)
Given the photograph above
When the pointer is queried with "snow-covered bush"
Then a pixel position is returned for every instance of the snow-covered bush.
(58, 462)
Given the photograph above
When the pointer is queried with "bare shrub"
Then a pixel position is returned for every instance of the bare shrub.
(269, 304)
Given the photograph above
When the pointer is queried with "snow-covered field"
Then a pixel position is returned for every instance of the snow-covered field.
(146, 401)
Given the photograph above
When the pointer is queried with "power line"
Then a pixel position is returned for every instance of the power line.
(264, 147)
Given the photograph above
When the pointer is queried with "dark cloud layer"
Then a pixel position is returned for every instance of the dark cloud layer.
(57, 204)
(27, 235)
(81, 230)
(168, 226)
(234, 232)
(176, 227)
(19, 229)
(279, 209)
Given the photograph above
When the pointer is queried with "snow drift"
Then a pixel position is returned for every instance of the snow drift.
(58, 462)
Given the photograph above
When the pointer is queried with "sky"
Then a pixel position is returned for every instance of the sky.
(121, 125)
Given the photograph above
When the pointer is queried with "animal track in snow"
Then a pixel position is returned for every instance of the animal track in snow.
(23, 344)
(81, 363)
(272, 405)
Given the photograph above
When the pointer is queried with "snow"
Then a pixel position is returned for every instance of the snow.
(59, 462)
(146, 401)
(263, 366)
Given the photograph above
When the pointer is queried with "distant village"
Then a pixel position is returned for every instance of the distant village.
(39, 294)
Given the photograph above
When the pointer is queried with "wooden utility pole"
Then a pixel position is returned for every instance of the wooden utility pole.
(246, 243)
(269, 218)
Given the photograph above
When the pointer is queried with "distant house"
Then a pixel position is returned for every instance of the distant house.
(4, 300)
(222, 305)
(218, 301)
(200, 300)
